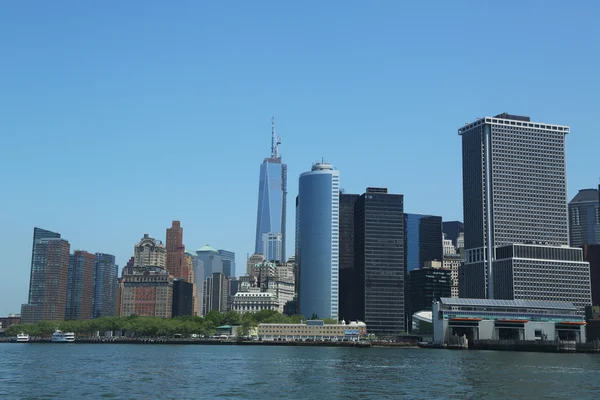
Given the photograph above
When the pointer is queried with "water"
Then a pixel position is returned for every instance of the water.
(88, 371)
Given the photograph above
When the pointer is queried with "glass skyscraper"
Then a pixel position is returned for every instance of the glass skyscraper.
(272, 197)
(584, 218)
(317, 228)
(423, 240)
(228, 259)
(105, 290)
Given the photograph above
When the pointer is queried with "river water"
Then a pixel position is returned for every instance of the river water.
(104, 371)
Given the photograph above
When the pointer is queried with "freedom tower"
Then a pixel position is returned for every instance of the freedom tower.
(272, 194)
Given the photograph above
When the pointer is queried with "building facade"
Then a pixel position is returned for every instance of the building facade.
(215, 293)
(584, 218)
(80, 286)
(105, 288)
(453, 263)
(351, 284)
(591, 254)
(423, 240)
(150, 252)
(317, 252)
(272, 244)
(428, 285)
(49, 276)
(228, 259)
(211, 260)
(198, 268)
(379, 261)
(453, 230)
(175, 257)
(183, 298)
(147, 292)
(514, 192)
(272, 197)
(313, 330)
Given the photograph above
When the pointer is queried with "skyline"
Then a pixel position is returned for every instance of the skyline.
(95, 97)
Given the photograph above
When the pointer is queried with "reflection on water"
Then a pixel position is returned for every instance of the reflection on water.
(39, 371)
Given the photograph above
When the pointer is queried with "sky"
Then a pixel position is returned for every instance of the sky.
(118, 117)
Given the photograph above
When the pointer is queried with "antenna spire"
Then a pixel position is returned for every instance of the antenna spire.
(272, 136)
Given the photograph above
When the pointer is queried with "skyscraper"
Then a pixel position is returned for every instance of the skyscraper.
(175, 260)
(105, 289)
(228, 259)
(515, 210)
(584, 218)
(423, 240)
(272, 197)
(453, 230)
(49, 276)
(272, 246)
(80, 286)
(150, 252)
(351, 287)
(318, 239)
(211, 260)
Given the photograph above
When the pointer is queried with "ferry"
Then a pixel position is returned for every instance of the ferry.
(63, 337)
(22, 338)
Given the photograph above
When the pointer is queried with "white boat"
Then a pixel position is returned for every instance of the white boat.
(63, 337)
(22, 338)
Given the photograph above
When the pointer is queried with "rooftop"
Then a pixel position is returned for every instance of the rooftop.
(207, 248)
(514, 120)
(529, 304)
(585, 196)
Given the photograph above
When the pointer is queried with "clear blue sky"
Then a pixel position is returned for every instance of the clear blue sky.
(118, 117)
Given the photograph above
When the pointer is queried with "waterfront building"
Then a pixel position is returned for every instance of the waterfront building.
(452, 262)
(317, 252)
(584, 218)
(11, 319)
(272, 197)
(591, 254)
(228, 259)
(48, 280)
(175, 258)
(313, 330)
(423, 240)
(147, 292)
(191, 278)
(351, 284)
(183, 298)
(489, 319)
(198, 279)
(211, 260)
(256, 258)
(428, 285)
(215, 293)
(80, 286)
(592, 317)
(272, 246)
(150, 252)
(105, 288)
(454, 231)
(515, 209)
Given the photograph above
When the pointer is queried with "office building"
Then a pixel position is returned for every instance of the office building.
(423, 240)
(183, 298)
(379, 260)
(272, 197)
(448, 246)
(150, 252)
(256, 258)
(147, 292)
(198, 279)
(105, 288)
(49, 276)
(215, 293)
(80, 286)
(228, 259)
(175, 259)
(453, 230)
(453, 262)
(584, 218)
(128, 268)
(515, 208)
(591, 254)
(428, 285)
(211, 260)
(351, 284)
(272, 246)
(318, 229)
(313, 330)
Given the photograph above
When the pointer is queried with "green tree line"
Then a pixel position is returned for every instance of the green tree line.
(153, 326)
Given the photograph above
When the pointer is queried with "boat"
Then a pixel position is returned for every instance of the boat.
(63, 337)
(22, 338)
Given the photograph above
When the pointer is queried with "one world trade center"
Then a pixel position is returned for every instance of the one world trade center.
(272, 194)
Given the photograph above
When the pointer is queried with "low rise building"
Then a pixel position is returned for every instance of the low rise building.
(313, 330)
(488, 319)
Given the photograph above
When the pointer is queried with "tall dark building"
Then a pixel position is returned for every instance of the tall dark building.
(49, 276)
(351, 288)
(452, 230)
(80, 286)
(423, 236)
(428, 285)
(215, 293)
(584, 218)
(105, 288)
(379, 261)
(591, 254)
(183, 298)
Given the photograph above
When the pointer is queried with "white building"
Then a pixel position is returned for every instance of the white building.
(272, 246)
(453, 262)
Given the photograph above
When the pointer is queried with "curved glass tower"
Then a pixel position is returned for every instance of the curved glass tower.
(317, 227)
(272, 193)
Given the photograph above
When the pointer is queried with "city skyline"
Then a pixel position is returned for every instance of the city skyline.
(122, 107)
